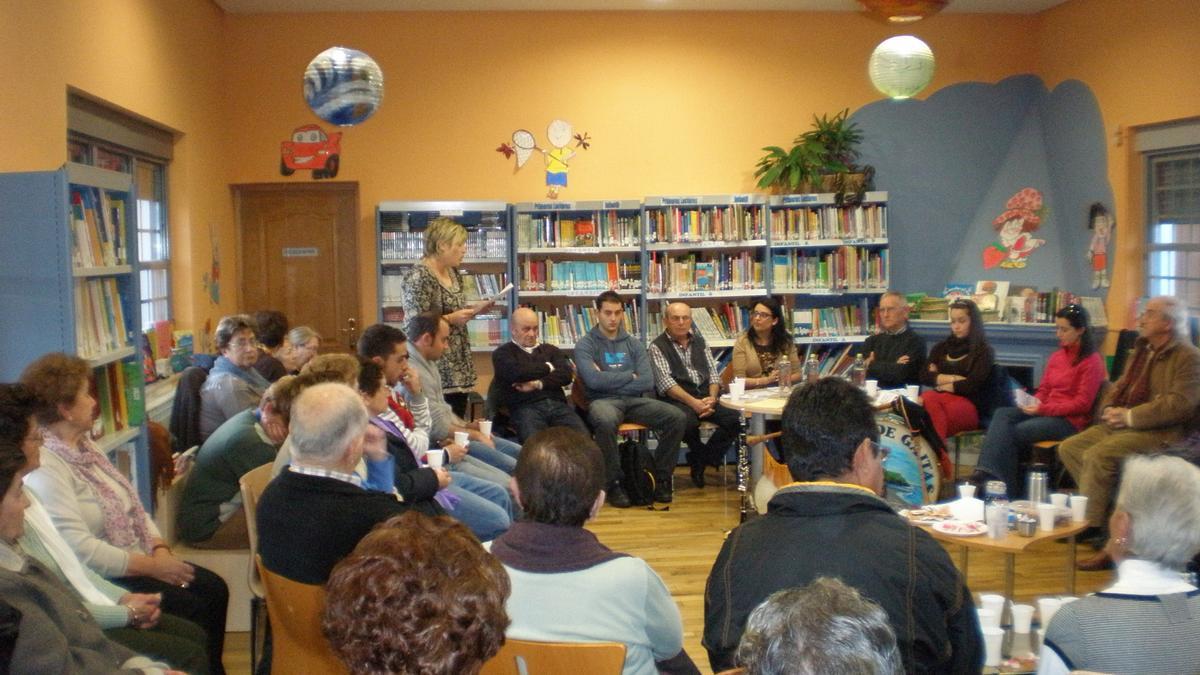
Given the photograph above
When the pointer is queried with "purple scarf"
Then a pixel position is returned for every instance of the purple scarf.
(448, 500)
(539, 548)
(123, 527)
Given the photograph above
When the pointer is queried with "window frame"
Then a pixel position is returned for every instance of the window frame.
(1154, 283)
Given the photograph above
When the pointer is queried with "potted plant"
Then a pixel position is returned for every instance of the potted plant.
(822, 159)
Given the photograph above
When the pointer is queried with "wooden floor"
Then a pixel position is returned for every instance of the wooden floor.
(681, 544)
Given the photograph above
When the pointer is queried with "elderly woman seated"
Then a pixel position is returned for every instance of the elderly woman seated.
(233, 385)
(1149, 620)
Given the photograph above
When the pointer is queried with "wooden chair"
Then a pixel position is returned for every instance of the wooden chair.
(1046, 452)
(298, 646)
(523, 657)
(252, 485)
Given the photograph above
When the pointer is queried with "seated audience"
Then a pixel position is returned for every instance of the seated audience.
(531, 377)
(566, 585)
(957, 370)
(55, 633)
(233, 385)
(299, 347)
(134, 620)
(896, 354)
(1149, 620)
(756, 354)
(210, 512)
(315, 512)
(417, 595)
(615, 373)
(1152, 404)
(824, 627)
(100, 514)
(834, 522)
(686, 376)
(1063, 404)
(269, 329)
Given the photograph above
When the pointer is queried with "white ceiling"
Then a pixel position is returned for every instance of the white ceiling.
(269, 6)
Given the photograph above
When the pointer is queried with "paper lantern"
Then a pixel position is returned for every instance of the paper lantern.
(343, 86)
(901, 66)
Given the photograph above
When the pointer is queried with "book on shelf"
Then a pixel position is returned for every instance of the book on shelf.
(1095, 309)
(565, 324)
(478, 287)
(676, 225)
(487, 331)
(99, 317)
(98, 228)
(557, 230)
(119, 396)
(845, 267)
(864, 221)
(723, 322)
(844, 321)
(992, 298)
(834, 360)
(723, 272)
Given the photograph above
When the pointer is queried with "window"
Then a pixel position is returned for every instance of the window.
(1173, 246)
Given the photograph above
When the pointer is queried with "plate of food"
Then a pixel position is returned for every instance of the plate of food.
(960, 528)
(932, 513)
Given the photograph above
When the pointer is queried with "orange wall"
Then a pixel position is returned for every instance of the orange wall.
(675, 102)
(1140, 59)
(162, 61)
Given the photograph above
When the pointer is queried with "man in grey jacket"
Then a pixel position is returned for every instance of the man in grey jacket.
(616, 373)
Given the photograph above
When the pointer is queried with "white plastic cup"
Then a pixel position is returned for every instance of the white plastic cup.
(872, 388)
(1066, 599)
(1046, 517)
(485, 428)
(1046, 609)
(1022, 616)
(461, 438)
(737, 388)
(966, 491)
(994, 603)
(993, 640)
(1079, 508)
(1059, 499)
(435, 458)
(988, 618)
(912, 392)
(997, 521)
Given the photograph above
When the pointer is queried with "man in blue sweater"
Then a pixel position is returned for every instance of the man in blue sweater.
(616, 373)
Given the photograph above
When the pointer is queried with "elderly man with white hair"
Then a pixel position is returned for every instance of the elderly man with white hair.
(1154, 402)
(1149, 620)
(313, 514)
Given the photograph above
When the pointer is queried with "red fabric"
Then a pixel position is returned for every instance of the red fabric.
(1069, 389)
(950, 413)
(398, 407)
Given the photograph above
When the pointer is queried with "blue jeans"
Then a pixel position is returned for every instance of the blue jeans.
(1012, 432)
(503, 456)
(664, 419)
(484, 507)
(530, 418)
(477, 468)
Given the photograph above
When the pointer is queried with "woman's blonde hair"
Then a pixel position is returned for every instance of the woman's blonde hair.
(443, 230)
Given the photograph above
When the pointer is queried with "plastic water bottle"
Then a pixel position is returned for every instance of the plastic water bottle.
(784, 369)
(858, 372)
(812, 369)
(996, 508)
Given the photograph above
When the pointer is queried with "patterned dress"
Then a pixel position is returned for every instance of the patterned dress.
(423, 293)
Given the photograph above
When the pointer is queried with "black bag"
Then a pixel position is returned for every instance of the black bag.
(637, 478)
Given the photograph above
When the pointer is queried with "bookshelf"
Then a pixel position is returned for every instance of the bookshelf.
(567, 253)
(70, 280)
(709, 251)
(832, 262)
(486, 268)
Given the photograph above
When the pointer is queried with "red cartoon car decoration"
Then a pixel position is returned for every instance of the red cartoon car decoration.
(311, 148)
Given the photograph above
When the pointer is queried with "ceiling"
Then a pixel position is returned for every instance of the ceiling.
(270, 6)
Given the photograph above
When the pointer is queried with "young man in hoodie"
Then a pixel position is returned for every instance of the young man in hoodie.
(616, 373)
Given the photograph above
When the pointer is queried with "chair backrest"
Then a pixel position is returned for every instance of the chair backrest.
(726, 376)
(252, 484)
(995, 394)
(166, 506)
(185, 409)
(524, 657)
(1105, 386)
(295, 611)
(578, 394)
(1125, 341)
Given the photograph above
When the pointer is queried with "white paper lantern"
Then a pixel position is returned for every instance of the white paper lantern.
(901, 66)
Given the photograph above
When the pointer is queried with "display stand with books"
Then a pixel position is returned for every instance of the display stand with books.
(567, 253)
(400, 228)
(71, 285)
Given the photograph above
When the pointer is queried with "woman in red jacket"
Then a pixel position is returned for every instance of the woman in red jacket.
(1062, 407)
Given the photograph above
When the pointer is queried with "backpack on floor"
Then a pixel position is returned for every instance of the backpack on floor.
(637, 478)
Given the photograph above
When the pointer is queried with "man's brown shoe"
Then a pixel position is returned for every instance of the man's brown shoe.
(1099, 562)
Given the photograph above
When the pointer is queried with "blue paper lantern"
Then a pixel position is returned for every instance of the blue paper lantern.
(343, 86)
(901, 66)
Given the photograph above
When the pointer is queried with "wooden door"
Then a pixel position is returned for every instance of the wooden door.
(299, 255)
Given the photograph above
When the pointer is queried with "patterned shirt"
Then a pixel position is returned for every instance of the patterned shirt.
(321, 472)
(423, 293)
(662, 368)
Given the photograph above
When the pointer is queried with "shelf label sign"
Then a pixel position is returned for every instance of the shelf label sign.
(301, 252)
(741, 199)
(799, 199)
(612, 205)
(553, 206)
(680, 201)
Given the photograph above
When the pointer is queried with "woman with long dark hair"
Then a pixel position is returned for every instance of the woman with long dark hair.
(958, 368)
(1061, 407)
(757, 352)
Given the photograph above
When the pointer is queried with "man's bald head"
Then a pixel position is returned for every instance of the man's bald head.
(327, 420)
(524, 326)
(678, 320)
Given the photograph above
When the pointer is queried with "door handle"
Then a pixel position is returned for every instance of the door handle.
(351, 331)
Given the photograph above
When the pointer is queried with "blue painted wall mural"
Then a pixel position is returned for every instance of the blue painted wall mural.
(952, 163)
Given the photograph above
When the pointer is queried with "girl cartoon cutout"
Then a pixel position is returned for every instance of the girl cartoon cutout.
(1101, 223)
(1022, 216)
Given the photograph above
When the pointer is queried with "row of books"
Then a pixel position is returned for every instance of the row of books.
(117, 389)
(100, 324)
(724, 322)
(1041, 307)
(834, 360)
(564, 325)
(410, 245)
(487, 331)
(865, 221)
(843, 321)
(737, 222)
(602, 228)
(688, 273)
(847, 267)
(579, 275)
(98, 228)
(478, 287)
